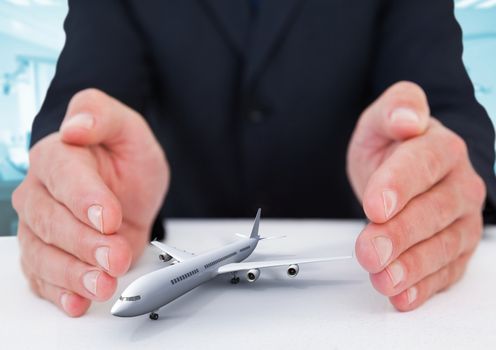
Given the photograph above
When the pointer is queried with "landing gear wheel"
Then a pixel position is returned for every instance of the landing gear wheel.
(235, 278)
(153, 316)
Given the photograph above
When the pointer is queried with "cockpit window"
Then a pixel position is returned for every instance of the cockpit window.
(135, 298)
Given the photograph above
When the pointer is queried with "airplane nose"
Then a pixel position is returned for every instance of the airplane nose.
(117, 309)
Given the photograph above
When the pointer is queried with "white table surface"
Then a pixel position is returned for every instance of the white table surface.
(327, 306)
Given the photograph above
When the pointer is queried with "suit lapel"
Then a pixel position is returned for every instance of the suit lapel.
(267, 31)
(232, 18)
(255, 39)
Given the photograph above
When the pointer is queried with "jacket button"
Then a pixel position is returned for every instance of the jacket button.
(256, 116)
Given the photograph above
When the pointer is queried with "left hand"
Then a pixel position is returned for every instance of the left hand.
(421, 194)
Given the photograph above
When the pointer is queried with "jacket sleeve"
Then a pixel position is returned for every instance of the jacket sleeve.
(421, 41)
(103, 50)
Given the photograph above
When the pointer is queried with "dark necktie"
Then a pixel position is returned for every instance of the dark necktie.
(255, 5)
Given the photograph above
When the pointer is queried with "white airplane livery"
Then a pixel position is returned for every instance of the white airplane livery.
(150, 292)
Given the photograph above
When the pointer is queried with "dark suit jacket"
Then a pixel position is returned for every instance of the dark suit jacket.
(257, 111)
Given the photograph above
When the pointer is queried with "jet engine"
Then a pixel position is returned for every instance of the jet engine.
(293, 270)
(164, 257)
(252, 275)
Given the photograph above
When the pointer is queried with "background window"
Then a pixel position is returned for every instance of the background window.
(31, 37)
(478, 20)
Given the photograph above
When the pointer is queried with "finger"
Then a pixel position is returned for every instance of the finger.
(63, 270)
(55, 225)
(72, 304)
(425, 215)
(401, 112)
(71, 176)
(416, 295)
(429, 256)
(414, 167)
(94, 117)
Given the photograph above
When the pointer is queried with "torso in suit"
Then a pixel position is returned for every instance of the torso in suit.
(256, 108)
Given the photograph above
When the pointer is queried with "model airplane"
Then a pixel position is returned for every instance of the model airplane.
(156, 289)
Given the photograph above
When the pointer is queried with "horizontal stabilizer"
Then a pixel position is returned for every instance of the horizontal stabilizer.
(271, 237)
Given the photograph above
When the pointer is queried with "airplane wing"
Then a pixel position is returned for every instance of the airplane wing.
(179, 255)
(243, 266)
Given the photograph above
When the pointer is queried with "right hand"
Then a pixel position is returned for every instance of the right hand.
(87, 204)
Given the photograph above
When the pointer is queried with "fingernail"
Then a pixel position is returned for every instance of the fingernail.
(412, 294)
(80, 121)
(389, 200)
(396, 272)
(102, 257)
(90, 281)
(383, 248)
(64, 298)
(95, 215)
(404, 115)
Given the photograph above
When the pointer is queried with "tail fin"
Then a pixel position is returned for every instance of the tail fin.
(254, 231)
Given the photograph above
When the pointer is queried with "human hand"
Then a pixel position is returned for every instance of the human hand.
(88, 202)
(421, 194)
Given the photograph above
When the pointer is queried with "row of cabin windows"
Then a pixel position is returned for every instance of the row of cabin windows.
(245, 248)
(219, 260)
(183, 277)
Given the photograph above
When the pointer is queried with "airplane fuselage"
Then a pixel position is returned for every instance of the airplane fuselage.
(158, 288)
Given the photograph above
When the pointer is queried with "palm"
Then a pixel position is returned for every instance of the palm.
(139, 182)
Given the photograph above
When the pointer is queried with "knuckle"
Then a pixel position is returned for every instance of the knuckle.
(54, 174)
(474, 233)
(456, 145)
(42, 150)
(460, 268)
(452, 273)
(69, 275)
(473, 190)
(79, 243)
(432, 165)
(122, 256)
(444, 279)
(21, 237)
(36, 262)
(449, 246)
(25, 268)
(479, 188)
(410, 156)
(388, 178)
(479, 227)
(35, 285)
(36, 153)
(444, 209)
(17, 198)
(44, 224)
(402, 233)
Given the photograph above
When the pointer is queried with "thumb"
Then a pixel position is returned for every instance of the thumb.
(400, 113)
(94, 117)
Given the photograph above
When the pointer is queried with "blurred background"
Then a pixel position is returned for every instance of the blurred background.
(31, 37)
